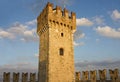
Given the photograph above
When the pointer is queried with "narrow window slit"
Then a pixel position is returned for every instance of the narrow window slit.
(61, 51)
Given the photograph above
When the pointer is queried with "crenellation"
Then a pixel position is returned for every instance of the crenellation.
(33, 77)
(66, 13)
(49, 6)
(93, 75)
(102, 75)
(24, 77)
(73, 15)
(16, 77)
(57, 15)
(114, 75)
(58, 11)
(85, 75)
(77, 76)
(6, 77)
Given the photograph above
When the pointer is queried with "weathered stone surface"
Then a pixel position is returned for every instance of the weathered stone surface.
(16, 77)
(102, 75)
(6, 77)
(77, 76)
(56, 56)
(114, 75)
(93, 76)
(32, 77)
(24, 77)
(85, 76)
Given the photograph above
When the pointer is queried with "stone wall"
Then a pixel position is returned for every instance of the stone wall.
(84, 76)
(55, 28)
(91, 76)
(17, 78)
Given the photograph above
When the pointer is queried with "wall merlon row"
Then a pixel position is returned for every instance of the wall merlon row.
(100, 75)
(49, 10)
(16, 77)
(84, 76)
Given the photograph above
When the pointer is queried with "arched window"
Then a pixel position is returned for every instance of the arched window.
(61, 51)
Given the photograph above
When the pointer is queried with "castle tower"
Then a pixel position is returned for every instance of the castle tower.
(55, 28)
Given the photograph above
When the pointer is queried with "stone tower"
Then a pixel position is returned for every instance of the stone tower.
(55, 28)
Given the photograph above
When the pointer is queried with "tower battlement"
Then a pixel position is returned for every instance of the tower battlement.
(56, 16)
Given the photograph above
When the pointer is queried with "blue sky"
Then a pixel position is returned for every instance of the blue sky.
(97, 39)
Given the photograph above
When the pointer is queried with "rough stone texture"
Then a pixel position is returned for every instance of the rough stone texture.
(85, 75)
(102, 75)
(77, 76)
(114, 75)
(6, 77)
(24, 77)
(56, 56)
(93, 76)
(32, 77)
(16, 77)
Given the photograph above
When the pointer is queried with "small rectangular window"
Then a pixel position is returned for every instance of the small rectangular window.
(61, 34)
(61, 51)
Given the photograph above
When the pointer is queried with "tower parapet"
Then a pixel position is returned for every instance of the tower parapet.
(57, 16)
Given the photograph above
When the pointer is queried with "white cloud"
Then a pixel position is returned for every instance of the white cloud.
(5, 34)
(20, 31)
(98, 20)
(90, 65)
(108, 32)
(17, 28)
(25, 64)
(33, 22)
(19, 67)
(78, 44)
(84, 22)
(28, 33)
(115, 15)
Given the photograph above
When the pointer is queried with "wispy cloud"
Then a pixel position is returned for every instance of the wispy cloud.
(83, 22)
(78, 44)
(5, 34)
(115, 15)
(20, 31)
(99, 20)
(78, 35)
(95, 65)
(19, 67)
(25, 64)
(108, 32)
(33, 22)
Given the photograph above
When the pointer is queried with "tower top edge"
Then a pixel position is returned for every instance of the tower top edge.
(49, 9)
